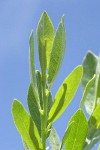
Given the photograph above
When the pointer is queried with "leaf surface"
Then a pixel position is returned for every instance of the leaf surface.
(89, 69)
(65, 94)
(77, 135)
(45, 37)
(57, 53)
(86, 91)
(54, 140)
(32, 67)
(26, 126)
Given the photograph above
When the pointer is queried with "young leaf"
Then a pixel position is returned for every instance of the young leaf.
(78, 132)
(89, 69)
(32, 67)
(57, 53)
(45, 37)
(65, 94)
(86, 91)
(33, 108)
(54, 140)
(26, 126)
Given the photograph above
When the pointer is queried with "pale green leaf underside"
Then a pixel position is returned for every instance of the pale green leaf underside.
(57, 53)
(45, 37)
(65, 94)
(54, 140)
(89, 69)
(26, 126)
(86, 91)
(78, 132)
(99, 147)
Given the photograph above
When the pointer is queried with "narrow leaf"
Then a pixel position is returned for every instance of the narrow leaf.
(45, 37)
(33, 108)
(65, 94)
(89, 69)
(57, 53)
(54, 140)
(32, 67)
(86, 91)
(26, 126)
(78, 132)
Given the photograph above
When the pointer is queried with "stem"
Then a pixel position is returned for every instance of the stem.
(44, 116)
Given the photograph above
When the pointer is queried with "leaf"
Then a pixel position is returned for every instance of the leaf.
(54, 140)
(32, 105)
(67, 132)
(97, 85)
(57, 53)
(95, 117)
(26, 126)
(93, 138)
(89, 69)
(86, 91)
(78, 131)
(32, 67)
(94, 129)
(45, 37)
(65, 94)
(33, 108)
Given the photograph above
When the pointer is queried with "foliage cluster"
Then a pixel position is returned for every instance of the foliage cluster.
(35, 128)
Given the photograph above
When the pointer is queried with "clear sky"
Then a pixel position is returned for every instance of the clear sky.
(17, 18)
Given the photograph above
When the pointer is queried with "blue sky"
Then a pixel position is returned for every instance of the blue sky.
(17, 19)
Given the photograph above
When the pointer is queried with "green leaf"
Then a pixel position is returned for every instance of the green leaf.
(32, 105)
(67, 132)
(97, 85)
(54, 140)
(89, 69)
(93, 138)
(86, 91)
(32, 67)
(65, 94)
(94, 129)
(95, 117)
(45, 37)
(26, 126)
(33, 108)
(78, 132)
(57, 53)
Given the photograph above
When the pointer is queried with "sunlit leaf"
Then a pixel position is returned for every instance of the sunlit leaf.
(57, 53)
(78, 131)
(26, 126)
(65, 94)
(89, 69)
(45, 37)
